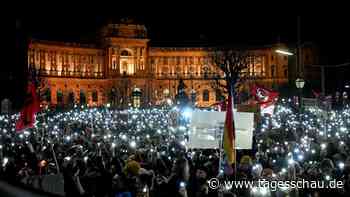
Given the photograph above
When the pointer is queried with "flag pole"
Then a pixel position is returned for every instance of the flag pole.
(234, 141)
(221, 150)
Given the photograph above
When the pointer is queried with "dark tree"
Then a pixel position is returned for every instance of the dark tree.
(234, 65)
(181, 97)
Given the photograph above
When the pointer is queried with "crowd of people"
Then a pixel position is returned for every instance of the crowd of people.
(104, 152)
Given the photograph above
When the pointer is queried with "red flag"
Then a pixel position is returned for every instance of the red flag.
(316, 94)
(31, 107)
(229, 133)
(266, 98)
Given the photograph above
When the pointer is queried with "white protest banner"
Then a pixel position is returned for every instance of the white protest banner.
(207, 128)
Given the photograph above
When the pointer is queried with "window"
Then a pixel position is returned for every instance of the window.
(272, 57)
(285, 72)
(114, 66)
(206, 95)
(218, 95)
(59, 97)
(125, 53)
(94, 96)
(285, 58)
(71, 98)
(82, 97)
(307, 57)
(273, 70)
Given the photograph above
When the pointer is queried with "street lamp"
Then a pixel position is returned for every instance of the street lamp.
(136, 96)
(300, 85)
(284, 52)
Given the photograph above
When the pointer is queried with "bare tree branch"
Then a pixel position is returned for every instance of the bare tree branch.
(233, 64)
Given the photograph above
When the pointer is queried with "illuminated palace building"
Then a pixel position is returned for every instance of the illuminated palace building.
(125, 61)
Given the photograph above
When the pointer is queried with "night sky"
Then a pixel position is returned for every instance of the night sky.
(330, 33)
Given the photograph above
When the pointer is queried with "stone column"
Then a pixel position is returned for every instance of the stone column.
(42, 62)
(118, 60)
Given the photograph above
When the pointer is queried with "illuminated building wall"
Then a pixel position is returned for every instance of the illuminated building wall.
(124, 59)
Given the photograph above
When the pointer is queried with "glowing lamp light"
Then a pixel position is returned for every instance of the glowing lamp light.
(290, 161)
(300, 83)
(133, 144)
(183, 143)
(5, 161)
(296, 150)
(283, 170)
(284, 52)
(300, 157)
(323, 146)
(187, 113)
(341, 165)
(327, 177)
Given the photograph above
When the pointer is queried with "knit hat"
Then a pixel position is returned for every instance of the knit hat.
(132, 168)
(246, 160)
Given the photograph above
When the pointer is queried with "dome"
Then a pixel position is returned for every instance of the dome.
(124, 28)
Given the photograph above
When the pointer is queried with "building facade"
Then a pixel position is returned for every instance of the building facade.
(125, 59)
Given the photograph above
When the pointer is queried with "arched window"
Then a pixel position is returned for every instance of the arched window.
(206, 95)
(125, 53)
(218, 95)
(71, 99)
(82, 97)
(285, 72)
(94, 96)
(47, 95)
(59, 97)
